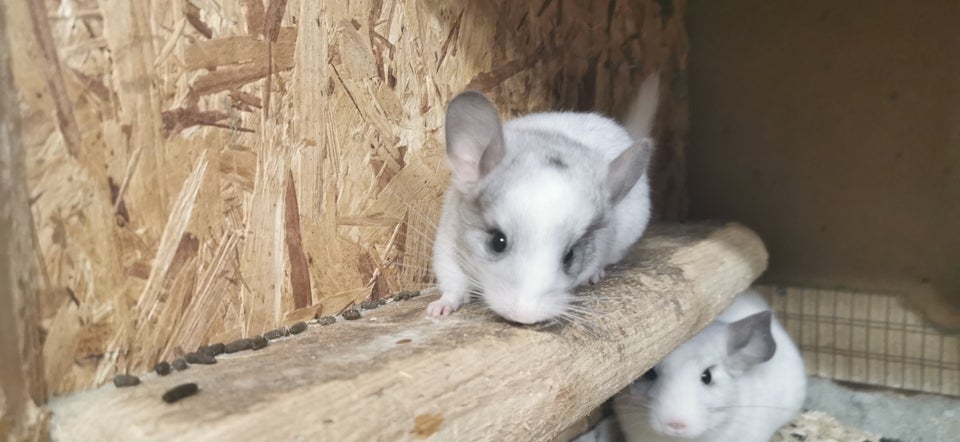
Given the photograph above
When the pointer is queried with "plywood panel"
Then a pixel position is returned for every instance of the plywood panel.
(833, 129)
(204, 170)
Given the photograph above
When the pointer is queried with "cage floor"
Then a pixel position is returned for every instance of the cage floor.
(894, 415)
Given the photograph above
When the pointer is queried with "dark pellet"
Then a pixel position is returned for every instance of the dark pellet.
(275, 334)
(162, 368)
(201, 358)
(298, 328)
(351, 315)
(238, 345)
(126, 380)
(180, 364)
(179, 392)
(382, 301)
(258, 343)
(326, 320)
(369, 305)
(407, 294)
(214, 349)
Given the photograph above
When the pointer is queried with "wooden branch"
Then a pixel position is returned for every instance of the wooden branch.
(22, 389)
(395, 375)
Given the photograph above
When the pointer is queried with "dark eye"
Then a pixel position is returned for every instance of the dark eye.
(498, 241)
(650, 375)
(706, 377)
(568, 258)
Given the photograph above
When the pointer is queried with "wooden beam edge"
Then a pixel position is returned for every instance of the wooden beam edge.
(395, 375)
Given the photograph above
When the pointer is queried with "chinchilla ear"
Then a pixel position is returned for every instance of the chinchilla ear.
(474, 139)
(627, 168)
(750, 341)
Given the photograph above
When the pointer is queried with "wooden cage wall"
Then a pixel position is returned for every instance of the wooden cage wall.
(200, 170)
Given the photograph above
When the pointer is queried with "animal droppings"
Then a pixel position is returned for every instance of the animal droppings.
(214, 349)
(275, 334)
(407, 294)
(239, 345)
(163, 368)
(351, 315)
(180, 364)
(258, 342)
(126, 380)
(382, 301)
(326, 320)
(370, 305)
(298, 328)
(201, 358)
(179, 392)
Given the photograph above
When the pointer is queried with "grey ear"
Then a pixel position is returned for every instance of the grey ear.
(474, 138)
(627, 168)
(749, 341)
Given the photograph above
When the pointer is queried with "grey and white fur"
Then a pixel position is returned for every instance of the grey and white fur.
(738, 380)
(538, 205)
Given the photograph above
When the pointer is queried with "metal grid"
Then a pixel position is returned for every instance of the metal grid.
(870, 338)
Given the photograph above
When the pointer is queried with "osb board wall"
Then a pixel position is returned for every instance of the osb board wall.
(201, 170)
(832, 128)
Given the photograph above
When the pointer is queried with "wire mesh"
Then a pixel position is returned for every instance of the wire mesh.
(869, 338)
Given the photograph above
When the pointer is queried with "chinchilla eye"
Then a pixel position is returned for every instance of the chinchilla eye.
(498, 241)
(568, 258)
(706, 377)
(650, 375)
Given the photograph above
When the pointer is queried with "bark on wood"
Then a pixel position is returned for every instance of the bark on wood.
(396, 375)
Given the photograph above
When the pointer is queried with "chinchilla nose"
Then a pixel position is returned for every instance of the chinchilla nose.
(520, 317)
(676, 425)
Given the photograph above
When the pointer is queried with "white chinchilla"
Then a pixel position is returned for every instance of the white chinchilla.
(538, 205)
(738, 380)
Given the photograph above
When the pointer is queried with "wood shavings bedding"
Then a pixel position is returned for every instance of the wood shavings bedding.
(817, 426)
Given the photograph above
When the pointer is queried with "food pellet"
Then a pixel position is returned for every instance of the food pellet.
(258, 342)
(326, 320)
(298, 328)
(201, 358)
(351, 315)
(238, 345)
(275, 334)
(162, 368)
(180, 364)
(179, 392)
(369, 305)
(126, 380)
(214, 349)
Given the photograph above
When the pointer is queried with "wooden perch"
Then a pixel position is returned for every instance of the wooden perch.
(396, 375)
